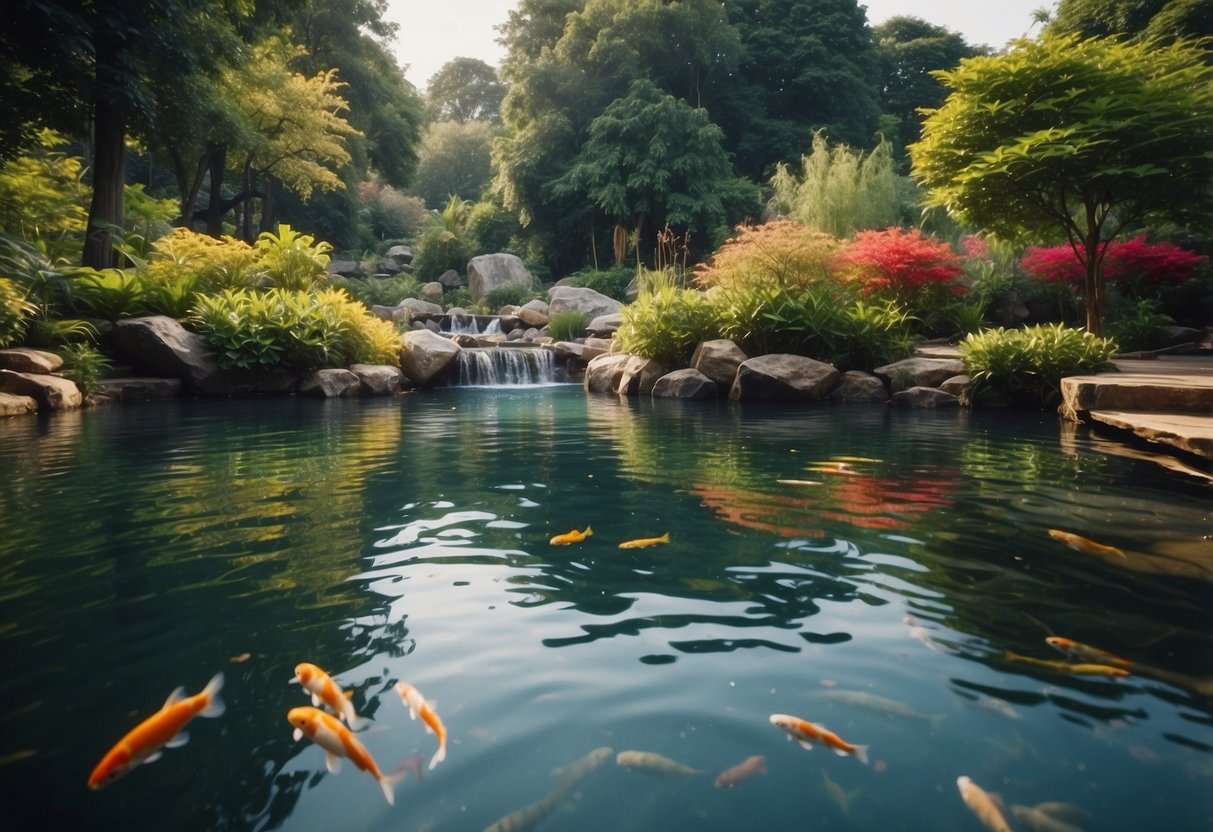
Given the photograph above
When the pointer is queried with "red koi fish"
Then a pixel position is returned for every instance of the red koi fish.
(806, 733)
(325, 691)
(163, 729)
(338, 741)
(741, 772)
(418, 707)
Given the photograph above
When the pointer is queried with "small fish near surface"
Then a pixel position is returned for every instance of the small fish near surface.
(1085, 544)
(653, 763)
(1082, 669)
(163, 729)
(571, 537)
(1038, 821)
(806, 733)
(982, 805)
(1086, 653)
(741, 772)
(531, 815)
(880, 705)
(572, 774)
(326, 692)
(419, 707)
(838, 795)
(1067, 812)
(645, 542)
(338, 741)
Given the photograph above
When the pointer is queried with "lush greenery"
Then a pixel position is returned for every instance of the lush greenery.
(1025, 367)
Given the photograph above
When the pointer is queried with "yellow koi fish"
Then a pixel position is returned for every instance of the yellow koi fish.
(1066, 667)
(571, 537)
(1084, 544)
(806, 733)
(418, 707)
(325, 691)
(645, 542)
(982, 805)
(338, 741)
(1085, 653)
(163, 729)
(653, 763)
(741, 772)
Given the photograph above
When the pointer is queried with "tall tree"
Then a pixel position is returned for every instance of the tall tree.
(1156, 19)
(1073, 139)
(456, 160)
(463, 90)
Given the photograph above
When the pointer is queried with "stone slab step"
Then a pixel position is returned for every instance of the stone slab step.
(1187, 432)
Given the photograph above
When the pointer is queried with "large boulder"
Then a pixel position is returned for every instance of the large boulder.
(344, 268)
(565, 351)
(783, 377)
(639, 376)
(858, 387)
(26, 360)
(919, 372)
(12, 404)
(687, 383)
(490, 272)
(432, 291)
(426, 354)
(533, 313)
(401, 255)
(51, 392)
(450, 279)
(924, 397)
(602, 374)
(718, 360)
(605, 326)
(161, 346)
(418, 309)
(330, 384)
(136, 389)
(569, 298)
(378, 379)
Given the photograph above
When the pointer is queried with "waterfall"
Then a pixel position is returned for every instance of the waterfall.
(506, 367)
(463, 325)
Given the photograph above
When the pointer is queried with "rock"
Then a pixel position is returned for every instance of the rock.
(633, 290)
(51, 392)
(508, 322)
(515, 334)
(687, 383)
(330, 384)
(137, 389)
(432, 292)
(466, 340)
(388, 268)
(344, 268)
(572, 351)
(531, 334)
(161, 346)
(12, 404)
(602, 374)
(401, 255)
(783, 377)
(490, 272)
(718, 360)
(421, 309)
(924, 397)
(593, 304)
(390, 313)
(860, 388)
(604, 326)
(604, 344)
(450, 279)
(377, 379)
(638, 376)
(956, 385)
(534, 313)
(426, 354)
(919, 372)
(1008, 310)
(1172, 336)
(26, 360)
(433, 327)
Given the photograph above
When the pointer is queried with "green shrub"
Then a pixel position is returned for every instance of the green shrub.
(14, 310)
(666, 322)
(378, 291)
(438, 250)
(610, 282)
(170, 296)
(1024, 367)
(275, 329)
(108, 293)
(512, 295)
(84, 365)
(365, 339)
(568, 326)
(293, 261)
(1136, 324)
(185, 260)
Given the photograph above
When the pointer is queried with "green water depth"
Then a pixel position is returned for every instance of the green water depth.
(866, 569)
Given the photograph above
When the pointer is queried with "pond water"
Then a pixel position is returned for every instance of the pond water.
(874, 571)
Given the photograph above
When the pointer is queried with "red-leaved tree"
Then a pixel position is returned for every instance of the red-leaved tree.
(1136, 259)
(901, 262)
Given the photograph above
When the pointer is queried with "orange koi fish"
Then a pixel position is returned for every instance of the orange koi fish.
(806, 733)
(1066, 667)
(741, 772)
(1084, 544)
(1085, 653)
(571, 537)
(645, 542)
(982, 805)
(338, 741)
(162, 729)
(418, 707)
(325, 691)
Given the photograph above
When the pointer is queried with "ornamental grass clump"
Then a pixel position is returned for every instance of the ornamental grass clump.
(271, 330)
(568, 325)
(666, 322)
(1024, 367)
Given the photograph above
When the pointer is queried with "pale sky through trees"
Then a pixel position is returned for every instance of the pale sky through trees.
(432, 33)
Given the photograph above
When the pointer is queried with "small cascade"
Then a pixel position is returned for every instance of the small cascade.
(506, 367)
(462, 325)
(494, 327)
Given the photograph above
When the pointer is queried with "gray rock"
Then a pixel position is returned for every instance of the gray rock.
(26, 360)
(639, 376)
(344, 268)
(861, 388)
(924, 397)
(531, 333)
(602, 374)
(783, 377)
(426, 354)
(12, 404)
(137, 389)
(534, 313)
(450, 279)
(604, 344)
(572, 351)
(421, 309)
(490, 272)
(390, 313)
(593, 304)
(687, 383)
(161, 346)
(718, 360)
(956, 385)
(401, 255)
(604, 326)
(432, 291)
(330, 384)
(919, 372)
(515, 334)
(51, 392)
(433, 326)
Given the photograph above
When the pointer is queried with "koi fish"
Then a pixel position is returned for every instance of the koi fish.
(799, 482)
(653, 763)
(1066, 667)
(881, 705)
(1084, 544)
(531, 815)
(645, 542)
(1067, 812)
(840, 796)
(418, 707)
(1039, 821)
(571, 537)
(325, 691)
(741, 772)
(997, 706)
(575, 772)
(920, 634)
(338, 741)
(806, 733)
(163, 729)
(982, 805)
(1085, 653)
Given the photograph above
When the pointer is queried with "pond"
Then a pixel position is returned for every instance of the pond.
(874, 571)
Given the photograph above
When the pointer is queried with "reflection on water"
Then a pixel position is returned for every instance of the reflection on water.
(877, 572)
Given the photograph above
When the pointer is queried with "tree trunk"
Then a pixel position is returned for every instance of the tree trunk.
(109, 176)
(246, 225)
(1092, 284)
(267, 204)
(214, 206)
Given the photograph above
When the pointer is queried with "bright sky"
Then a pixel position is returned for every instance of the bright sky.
(433, 32)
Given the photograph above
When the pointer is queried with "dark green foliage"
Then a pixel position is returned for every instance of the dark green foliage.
(512, 295)
(610, 282)
(437, 250)
(1160, 19)
(1024, 367)
(377, 291)
(84, 364)
(463, 90)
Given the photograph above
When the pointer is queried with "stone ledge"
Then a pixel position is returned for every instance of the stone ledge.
(1186, 432)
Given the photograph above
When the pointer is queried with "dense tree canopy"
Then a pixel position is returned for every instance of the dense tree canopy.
(1154, 19)
(463, 90)
(456, 160)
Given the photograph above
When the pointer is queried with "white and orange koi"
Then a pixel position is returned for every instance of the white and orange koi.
(325, 691)
(982, 805)
(419, 707)
(1086, 653)
(645, 542)
(338, 741)
(570, 537)
(806, 733)
(163, 729)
